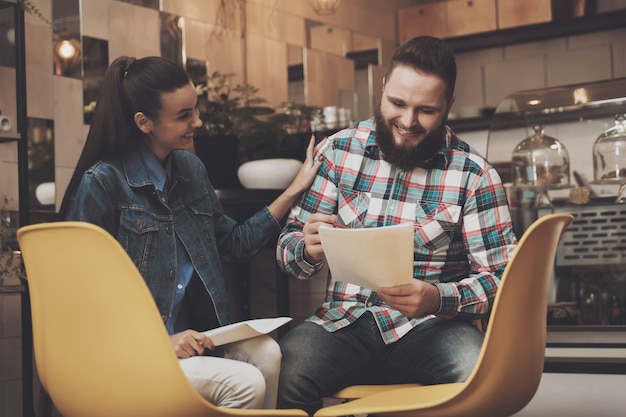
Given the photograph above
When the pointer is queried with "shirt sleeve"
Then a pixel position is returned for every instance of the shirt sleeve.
(489, 240)
(92, 202)
(320, 198)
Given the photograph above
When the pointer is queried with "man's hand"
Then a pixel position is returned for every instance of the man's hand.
(417, 299)
(190, 343)
(313, 252)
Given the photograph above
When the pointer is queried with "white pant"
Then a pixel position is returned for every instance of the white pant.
(247, 377)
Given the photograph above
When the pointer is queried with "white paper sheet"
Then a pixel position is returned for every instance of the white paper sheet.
(370, 257)
(245, 329)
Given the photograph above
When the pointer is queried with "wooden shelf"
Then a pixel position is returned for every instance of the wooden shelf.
(469, 125)
(9, 137)
(538, 32)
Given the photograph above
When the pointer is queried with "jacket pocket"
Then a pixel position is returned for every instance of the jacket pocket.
(203, 217)
(138, 235)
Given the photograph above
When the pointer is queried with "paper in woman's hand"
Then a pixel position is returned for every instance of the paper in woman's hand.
(245, 330)
(370, 257)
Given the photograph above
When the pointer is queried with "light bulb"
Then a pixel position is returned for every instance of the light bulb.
(66, 49)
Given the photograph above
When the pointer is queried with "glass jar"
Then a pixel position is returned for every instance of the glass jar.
(609, 153)
(540, 160)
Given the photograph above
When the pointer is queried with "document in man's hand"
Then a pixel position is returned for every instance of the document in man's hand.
(245, 330)
(370, 257)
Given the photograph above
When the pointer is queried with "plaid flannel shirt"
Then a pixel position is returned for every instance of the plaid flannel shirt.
(463, 231)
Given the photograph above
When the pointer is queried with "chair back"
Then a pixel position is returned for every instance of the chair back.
(509, 369)
(101, 348)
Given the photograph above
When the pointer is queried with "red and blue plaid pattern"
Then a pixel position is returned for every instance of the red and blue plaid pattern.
(463, 231)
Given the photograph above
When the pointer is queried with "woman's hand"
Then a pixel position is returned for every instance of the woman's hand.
(190, 343)
(302, 181)
(308, 170)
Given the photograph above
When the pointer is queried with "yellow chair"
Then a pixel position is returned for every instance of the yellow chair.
(509, 368)
(101, 348)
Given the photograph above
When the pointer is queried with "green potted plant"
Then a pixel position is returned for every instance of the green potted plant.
(226, 108)
(225, 111)
(237, 130)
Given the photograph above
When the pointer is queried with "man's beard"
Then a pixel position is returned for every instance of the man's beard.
(407, 158)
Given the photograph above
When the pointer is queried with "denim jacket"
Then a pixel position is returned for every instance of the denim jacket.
(117, 196)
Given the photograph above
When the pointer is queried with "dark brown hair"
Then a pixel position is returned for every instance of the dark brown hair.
(129, 86)
(430, 55)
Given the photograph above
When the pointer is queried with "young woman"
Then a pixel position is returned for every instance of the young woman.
(135, 179)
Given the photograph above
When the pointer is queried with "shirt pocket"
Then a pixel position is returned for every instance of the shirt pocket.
(138, 235)
(435, 224)
(352, 207)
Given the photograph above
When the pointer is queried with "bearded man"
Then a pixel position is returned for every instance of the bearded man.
(403, 165)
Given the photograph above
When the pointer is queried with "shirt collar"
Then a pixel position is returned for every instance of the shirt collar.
(157, 173)
(441, 154)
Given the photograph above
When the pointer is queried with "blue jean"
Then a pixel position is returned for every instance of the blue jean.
(317, 363)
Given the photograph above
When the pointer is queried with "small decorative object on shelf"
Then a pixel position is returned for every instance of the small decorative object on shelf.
(579, 195)
(540, 160)
(609, 153)
(5, 123)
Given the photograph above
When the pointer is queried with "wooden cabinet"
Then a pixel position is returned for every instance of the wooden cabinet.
(427, 19)
(466, 17)
(514, 13)
(447, 19)
(516, 21)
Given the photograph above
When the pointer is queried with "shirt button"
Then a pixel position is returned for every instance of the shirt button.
(164, 318)
(163, 199)
(179, 286)
(168, 229)
(172, 273)
(369, 304)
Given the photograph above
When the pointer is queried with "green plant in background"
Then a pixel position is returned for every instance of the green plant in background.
(30, 8)
(272, 137)
(10, 263)
(226, 109)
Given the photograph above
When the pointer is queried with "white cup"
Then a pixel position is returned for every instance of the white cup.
(330, 117)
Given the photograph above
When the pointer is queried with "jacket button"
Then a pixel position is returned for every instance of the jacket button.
(164, 318)
(168, 229)
(172, 273)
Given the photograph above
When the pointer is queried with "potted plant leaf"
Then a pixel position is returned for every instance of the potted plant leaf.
(237, 130)
(224, 111)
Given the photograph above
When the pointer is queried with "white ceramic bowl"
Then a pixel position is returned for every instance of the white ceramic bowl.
(273, 173)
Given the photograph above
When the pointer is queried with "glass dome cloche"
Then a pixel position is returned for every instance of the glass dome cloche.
(609, 153)
(540, 161)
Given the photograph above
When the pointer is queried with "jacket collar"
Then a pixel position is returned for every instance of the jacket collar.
(142, 168)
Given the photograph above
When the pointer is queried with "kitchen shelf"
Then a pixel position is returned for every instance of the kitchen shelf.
(552, 106)
(469, 124)
(538, 32)
(9, 137)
